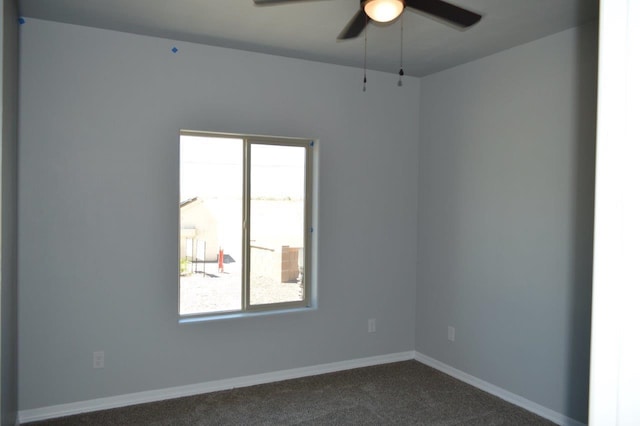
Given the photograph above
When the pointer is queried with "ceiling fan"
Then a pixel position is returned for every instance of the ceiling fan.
(388, 10)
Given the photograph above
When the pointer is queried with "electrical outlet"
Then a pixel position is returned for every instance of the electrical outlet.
(98, 359)
(372, 325)
(452, 334)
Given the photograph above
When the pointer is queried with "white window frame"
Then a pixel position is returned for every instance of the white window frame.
(309, 197)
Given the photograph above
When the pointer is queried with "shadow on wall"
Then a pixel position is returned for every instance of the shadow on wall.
(579, 310)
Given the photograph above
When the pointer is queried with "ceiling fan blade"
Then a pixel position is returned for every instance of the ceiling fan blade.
(355, 26)
(274, 2)
(451, 13)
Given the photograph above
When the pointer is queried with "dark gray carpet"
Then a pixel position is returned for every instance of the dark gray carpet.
(402, 393)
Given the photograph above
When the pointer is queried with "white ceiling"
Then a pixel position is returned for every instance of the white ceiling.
(308, 29)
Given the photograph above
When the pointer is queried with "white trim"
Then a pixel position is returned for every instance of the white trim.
(61, 410)
(98, 404)
(615, 348)
(528, 405)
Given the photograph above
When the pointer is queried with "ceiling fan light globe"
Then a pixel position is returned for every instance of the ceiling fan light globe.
(383, 10)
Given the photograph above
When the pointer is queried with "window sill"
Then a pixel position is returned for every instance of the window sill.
(233, 315)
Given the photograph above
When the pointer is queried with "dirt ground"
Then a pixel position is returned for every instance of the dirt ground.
(219, 292)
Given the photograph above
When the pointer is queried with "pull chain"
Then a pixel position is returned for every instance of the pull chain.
(401, 72)
(364, 81)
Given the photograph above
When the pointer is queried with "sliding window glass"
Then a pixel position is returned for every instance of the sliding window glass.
(245, 228)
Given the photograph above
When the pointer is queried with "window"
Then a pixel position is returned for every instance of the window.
(245, 223)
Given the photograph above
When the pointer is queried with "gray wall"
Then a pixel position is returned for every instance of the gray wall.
(9, 191)
(504, 213)
(506, 216)
(100, 115)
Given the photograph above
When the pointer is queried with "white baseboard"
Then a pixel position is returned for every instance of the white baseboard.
(528, 405)
(61, 410)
